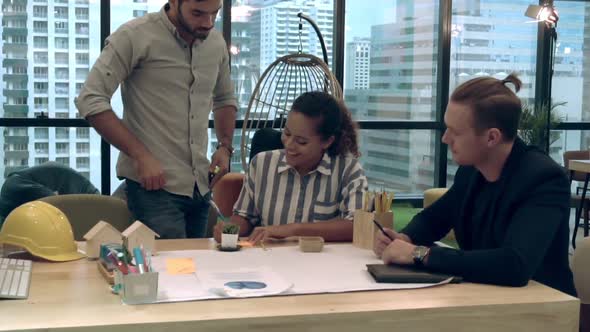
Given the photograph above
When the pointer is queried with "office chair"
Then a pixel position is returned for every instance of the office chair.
(581, 270)
(575, 198)
(86, 210)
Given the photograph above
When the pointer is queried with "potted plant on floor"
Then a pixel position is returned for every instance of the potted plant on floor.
(533, 129)
(229, 236)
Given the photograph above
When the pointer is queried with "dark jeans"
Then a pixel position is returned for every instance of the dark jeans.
(171, 216)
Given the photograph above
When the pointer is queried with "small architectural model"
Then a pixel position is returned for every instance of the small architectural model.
(101, 233)
(138, 235)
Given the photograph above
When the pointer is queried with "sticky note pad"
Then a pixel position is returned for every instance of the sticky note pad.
(246, 244)
(180, 266)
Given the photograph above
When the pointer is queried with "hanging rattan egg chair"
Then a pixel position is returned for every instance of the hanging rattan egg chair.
(283, 81)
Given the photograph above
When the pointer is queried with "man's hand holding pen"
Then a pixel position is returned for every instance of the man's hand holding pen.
(399, 250)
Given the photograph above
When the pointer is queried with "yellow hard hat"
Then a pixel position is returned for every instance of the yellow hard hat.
(41, 229)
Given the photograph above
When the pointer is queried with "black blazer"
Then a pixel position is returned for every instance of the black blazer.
(529, 237)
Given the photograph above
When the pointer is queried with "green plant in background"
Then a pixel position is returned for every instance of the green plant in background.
(533, 124)
(230, 229)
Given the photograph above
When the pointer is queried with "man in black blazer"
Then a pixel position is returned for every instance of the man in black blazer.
(508, 205)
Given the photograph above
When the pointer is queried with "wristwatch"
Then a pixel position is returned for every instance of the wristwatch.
(225, 146)
(419, 254)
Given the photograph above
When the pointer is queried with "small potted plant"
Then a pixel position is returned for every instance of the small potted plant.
(229, 236)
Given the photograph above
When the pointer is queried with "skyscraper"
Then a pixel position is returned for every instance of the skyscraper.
(46, 51)
(358, 54)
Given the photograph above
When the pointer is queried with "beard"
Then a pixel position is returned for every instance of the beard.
(197, 33)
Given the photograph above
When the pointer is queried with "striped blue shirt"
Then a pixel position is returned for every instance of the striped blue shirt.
(275, 194)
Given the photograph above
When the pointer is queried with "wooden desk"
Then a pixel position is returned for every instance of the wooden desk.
(582, 166)
(74, 297)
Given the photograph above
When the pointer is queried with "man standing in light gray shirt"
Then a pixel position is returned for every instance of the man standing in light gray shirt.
(173, 68)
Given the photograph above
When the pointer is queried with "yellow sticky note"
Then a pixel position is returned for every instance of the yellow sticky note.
(246, 244)
(180, 266)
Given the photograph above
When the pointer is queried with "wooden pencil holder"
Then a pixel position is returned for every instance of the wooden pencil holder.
(137, 288)
(364, 230)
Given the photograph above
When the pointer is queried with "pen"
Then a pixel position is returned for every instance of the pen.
(120, 265)
(382, 230)
(139, 259)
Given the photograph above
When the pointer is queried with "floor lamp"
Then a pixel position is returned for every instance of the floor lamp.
(547, 14)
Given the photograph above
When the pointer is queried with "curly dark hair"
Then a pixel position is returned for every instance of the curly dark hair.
(335, 120)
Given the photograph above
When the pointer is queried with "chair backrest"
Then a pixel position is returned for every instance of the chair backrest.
(265, 139)
(226, 192)
(576, 155)
(432, 195)
(86, 210)
(581, 269)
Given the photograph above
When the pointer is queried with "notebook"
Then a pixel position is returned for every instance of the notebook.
(407, 274)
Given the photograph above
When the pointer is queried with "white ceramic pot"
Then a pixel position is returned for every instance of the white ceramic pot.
(229, 240)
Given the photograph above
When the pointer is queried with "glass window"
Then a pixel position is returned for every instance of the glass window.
(38, 61)
(81, 74)
(61, 27)
(390, 74)
(61, 42)
(82, 132)
(63, 160)
(82, 29)
(61, 58)
(570, 78)
(40, 26)
(40, 11)
(264, 31)
(61, 12)
(61, 73)
(82, 162)
(390, 60)
(42, 148)
(40, 72)
(62, 103)
(40, 42)
(81, 13)
(82, 58)
(62, 133)
(41, 87)
(39, 161)
(62, 147)
(40, 57)
(41, 102)
(41, 133)
(81, 43)
(398, 160)
(61, 89)
(82, 147)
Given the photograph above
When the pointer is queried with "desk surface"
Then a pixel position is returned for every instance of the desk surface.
(579, 165)
(73, 296)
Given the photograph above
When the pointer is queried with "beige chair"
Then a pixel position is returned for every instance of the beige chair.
(85, 210)
(575, 198)
(581, 269)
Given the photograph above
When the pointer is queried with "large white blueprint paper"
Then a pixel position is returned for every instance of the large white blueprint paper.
(338, 268)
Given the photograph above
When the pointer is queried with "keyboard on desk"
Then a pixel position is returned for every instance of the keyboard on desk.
(15, 278)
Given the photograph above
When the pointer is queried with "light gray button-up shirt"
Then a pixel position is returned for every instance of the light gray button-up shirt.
(168, 90)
